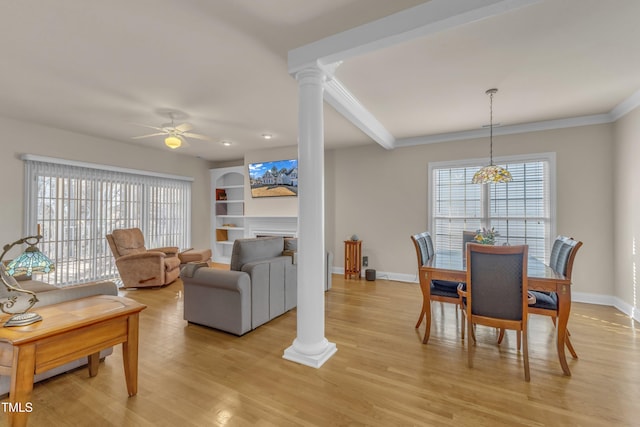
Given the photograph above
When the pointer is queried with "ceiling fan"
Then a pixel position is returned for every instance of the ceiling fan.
(175, 135)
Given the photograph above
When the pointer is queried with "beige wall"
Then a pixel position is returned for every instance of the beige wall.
(381, 196)
(627, 208)
(23, 138)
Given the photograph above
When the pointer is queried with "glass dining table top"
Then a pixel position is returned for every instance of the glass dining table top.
(452, 260)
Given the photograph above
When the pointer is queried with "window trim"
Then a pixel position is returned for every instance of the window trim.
(549, 157)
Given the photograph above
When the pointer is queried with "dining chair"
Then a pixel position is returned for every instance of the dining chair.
(563, 254)
(468, 237)
(439, 290)
(496, 293)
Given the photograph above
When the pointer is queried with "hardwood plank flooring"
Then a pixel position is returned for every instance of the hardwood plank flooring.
(382, 375)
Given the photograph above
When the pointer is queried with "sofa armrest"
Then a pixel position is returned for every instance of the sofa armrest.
(152, 255)
(168, 250)
(76, 292)
(235, 281)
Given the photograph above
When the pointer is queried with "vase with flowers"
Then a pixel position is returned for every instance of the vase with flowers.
(486, 236)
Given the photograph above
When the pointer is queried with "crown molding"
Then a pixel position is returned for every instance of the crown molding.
(505, 130)
(625, 107)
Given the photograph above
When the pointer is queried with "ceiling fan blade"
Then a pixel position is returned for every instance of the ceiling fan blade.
(197, 136)
(150, 127)
(147, 136)
(184, 127)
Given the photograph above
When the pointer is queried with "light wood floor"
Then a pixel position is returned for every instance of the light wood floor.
(382, 375)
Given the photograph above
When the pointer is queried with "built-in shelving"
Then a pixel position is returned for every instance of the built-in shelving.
(228, 210)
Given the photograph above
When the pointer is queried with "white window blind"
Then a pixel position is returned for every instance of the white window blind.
(77, 206)
(521, 211)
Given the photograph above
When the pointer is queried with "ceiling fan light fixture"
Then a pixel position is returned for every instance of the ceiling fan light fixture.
(491, 174)
(173, 142)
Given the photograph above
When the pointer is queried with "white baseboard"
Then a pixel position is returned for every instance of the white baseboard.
(582, 297)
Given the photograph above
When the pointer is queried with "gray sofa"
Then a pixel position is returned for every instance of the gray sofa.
(261, 285)
(49, 294)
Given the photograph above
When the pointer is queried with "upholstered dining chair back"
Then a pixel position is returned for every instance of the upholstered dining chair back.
(424, 247)
(497, 280)
(563, 254)
(496, 293)
(468, 237)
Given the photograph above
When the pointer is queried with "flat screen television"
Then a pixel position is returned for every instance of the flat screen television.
(274, 179)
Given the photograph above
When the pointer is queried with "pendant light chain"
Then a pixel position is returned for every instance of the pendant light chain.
(491, 92)
(491, 174)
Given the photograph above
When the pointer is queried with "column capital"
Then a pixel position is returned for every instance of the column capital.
(311, 75)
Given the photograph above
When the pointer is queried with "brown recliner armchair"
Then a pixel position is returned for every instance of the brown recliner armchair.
(141, 267)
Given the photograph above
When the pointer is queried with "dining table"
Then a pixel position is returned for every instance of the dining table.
(451, 265)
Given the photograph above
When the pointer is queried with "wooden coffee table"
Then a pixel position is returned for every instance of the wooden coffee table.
(68, 331)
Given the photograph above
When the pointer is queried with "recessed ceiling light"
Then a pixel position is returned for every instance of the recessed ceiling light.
(226, 143)
(267, 136)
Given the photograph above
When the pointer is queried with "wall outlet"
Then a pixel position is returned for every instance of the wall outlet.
(365, 261)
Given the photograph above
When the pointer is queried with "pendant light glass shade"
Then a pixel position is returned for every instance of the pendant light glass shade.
(173, 142)
(491, 174)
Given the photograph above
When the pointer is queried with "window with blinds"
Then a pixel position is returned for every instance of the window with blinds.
(77, 206)
(521, 212)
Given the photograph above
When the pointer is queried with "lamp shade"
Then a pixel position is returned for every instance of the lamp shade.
(491, 174)
(173, 142)
(31, 261)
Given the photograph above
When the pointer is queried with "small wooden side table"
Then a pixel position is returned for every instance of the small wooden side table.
(352, 258)
(68, 331)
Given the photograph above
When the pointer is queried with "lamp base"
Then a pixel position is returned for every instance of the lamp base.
(23, 319)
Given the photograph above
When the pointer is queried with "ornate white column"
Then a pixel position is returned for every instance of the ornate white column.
(310, 347)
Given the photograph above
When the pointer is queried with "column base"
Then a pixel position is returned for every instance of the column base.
(313, 360)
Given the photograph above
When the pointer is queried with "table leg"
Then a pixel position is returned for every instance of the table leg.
(24, 360)
(564, 309)
(425, 287)
(130, 355)
(94, 361)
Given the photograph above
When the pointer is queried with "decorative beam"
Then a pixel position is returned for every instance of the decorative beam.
(428, 18)
(339, 97)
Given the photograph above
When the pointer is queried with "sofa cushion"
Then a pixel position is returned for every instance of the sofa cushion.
(128, 241)
(256, 249)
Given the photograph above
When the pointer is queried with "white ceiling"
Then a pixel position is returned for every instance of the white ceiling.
(98, 68)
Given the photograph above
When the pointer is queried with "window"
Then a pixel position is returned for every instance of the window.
(521, 211)
(78, 204)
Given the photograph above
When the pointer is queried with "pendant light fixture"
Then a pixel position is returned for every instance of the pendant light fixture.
(491, 174)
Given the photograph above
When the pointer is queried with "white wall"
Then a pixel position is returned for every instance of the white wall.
(627, 210)
(382, 195)
(25, 138)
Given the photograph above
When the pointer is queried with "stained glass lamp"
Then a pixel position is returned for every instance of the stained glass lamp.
(31, 261)
(491, 174)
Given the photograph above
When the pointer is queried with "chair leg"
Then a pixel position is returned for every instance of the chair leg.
(463, 325)
(567, 341)
(470, 344)
(427, 331)
(501, 336)
(525, 354)
(519, 339)
(422, 313)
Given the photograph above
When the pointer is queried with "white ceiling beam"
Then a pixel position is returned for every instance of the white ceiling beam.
(428, 18)
(345, 103)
